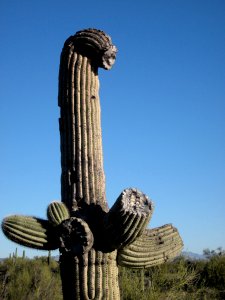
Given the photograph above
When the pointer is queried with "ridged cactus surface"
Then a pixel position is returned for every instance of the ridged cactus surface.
(57, 212)
(92, 239)
(128, 218)
(82, 179)
(31, 232)
(153, 247)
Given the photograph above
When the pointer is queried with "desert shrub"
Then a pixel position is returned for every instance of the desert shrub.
(213, 273)
(26, 279)
(131, 283)
(168, 281)
(181, 279)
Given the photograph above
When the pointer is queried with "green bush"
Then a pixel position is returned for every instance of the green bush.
(168, 281)
(25, 279)
(213, 272)
(181, 279)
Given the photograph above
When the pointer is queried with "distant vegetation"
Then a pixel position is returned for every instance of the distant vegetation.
(182, 279)
(30, 279)
(39, 279)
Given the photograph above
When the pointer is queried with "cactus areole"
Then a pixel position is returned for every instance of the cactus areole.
(92, 239)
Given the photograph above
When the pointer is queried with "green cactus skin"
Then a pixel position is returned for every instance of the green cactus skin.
(153, 247)
(92, 239)
(93, 275)
(31, 232)
(57, 212)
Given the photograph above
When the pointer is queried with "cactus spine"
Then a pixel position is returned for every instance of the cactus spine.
(92, 239)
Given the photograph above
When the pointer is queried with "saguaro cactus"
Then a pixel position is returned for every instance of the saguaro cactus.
(92, 239)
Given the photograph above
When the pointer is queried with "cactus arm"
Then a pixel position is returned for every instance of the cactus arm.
(30, 232)
(153, 247)
(128, 218)
(57, 212)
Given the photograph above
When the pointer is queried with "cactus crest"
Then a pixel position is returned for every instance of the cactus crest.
(94, 44)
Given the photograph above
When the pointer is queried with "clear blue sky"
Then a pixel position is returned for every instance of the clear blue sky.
(163, 108)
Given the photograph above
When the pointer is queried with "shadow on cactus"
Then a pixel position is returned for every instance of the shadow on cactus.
(92, 239)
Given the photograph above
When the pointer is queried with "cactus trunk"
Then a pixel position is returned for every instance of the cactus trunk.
(82, 179)
(93, 275)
